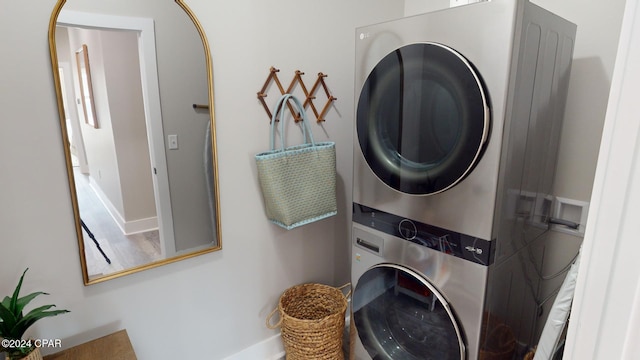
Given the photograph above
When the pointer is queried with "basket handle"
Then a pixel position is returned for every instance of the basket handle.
(344, 286)
(269, 320)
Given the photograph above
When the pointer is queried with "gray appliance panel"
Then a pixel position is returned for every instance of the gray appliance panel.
(537, 104)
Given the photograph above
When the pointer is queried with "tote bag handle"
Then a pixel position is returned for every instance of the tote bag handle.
(306, 130)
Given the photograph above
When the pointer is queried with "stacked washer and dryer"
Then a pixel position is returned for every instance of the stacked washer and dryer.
(458, 121)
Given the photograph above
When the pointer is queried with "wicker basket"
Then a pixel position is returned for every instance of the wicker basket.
(497, 339)
(312, 321)
(34, 355)
(530, 355)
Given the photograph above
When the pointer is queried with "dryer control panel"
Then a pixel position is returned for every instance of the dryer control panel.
(450, 242)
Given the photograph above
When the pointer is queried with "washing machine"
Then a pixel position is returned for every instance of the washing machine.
(457, 127)
(414, 298)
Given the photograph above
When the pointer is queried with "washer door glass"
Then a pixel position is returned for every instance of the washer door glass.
(400, 315)
(422, 118)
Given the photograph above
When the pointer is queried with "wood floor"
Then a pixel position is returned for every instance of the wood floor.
(124, 251)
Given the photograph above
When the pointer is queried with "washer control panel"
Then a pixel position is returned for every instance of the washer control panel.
(450, 242)
(407, 229)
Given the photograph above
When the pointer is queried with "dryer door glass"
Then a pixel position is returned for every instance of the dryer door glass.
(422, 118)
(398, 314)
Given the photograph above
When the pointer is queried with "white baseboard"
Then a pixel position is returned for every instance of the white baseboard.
(140, 225)
(269, 349)
(127, 227)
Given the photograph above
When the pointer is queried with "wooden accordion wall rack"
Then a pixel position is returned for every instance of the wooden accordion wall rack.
(310, 95)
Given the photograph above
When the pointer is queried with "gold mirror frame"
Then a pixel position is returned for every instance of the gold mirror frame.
(68, 162)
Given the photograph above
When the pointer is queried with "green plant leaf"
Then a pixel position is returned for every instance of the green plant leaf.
(14, 299)
(9, 320)
(23, 301)
(4, 329)
(13, 323)
(34, 315)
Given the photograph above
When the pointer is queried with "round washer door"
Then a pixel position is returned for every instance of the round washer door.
(422, 118)
(400, 315)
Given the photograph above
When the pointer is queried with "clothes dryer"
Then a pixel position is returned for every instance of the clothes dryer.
(458, 116)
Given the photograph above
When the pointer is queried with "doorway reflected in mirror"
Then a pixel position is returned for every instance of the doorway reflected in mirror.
(144, 183)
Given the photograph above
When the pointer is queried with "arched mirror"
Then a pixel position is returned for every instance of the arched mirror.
(135, 96)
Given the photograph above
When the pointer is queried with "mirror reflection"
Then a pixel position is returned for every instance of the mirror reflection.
(140, 154)
(84, 80)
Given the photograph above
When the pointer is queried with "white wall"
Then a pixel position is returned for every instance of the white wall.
(219, 300)
(413, 7)
(124, 86)
(99, 142)
(606, 312)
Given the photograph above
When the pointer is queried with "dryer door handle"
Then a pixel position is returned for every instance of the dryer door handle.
(368, 245)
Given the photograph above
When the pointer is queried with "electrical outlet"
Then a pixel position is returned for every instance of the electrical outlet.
(173, 142)
(573, 211)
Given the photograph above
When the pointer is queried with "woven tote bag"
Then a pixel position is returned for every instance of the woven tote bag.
(298, 183)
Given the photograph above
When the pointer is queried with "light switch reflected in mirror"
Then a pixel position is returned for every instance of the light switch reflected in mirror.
(127, 76)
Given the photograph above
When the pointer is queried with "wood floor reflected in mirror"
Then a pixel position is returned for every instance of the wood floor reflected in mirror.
(124, 251)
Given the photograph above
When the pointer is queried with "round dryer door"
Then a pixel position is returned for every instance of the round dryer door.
(422, 118)
(399, 314)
